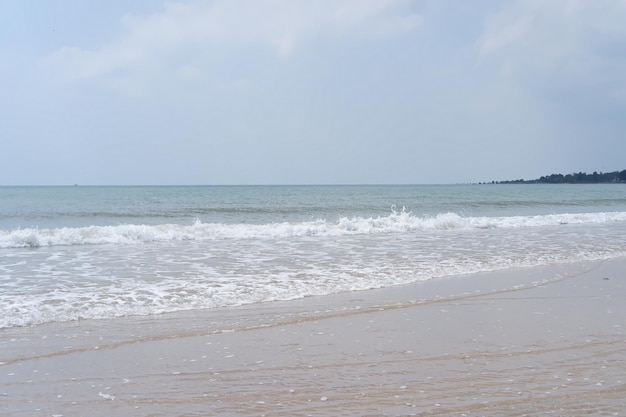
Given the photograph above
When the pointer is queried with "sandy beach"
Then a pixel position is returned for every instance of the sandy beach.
(531, 341)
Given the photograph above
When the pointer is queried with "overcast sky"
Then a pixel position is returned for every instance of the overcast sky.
(301, 92)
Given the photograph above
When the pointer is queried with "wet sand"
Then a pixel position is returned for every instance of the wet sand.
(533, 341)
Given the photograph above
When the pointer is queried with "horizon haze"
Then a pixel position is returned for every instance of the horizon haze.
(294, 92)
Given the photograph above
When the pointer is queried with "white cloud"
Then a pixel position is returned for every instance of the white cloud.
(576, 41)
(280, 25)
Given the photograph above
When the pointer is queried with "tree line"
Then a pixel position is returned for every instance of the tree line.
(575, 178)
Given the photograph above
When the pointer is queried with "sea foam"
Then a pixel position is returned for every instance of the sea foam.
(396, 222)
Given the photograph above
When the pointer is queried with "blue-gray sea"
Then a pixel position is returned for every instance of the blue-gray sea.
(76, 252)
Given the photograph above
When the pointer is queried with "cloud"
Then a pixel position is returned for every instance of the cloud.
(281, 26)
(567, 42)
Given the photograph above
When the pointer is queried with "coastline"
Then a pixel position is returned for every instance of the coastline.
(524, 341)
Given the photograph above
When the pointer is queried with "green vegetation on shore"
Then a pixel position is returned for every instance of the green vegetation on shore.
(576, 178)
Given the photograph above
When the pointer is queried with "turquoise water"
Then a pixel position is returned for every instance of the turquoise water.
(69, 253)
(86, 206)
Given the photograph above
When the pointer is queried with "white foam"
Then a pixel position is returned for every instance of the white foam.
(396, 222)
(104, 272)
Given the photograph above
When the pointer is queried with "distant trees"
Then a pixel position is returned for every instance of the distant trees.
(575, 178)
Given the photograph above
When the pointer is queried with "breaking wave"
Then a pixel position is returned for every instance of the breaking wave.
(396, 222)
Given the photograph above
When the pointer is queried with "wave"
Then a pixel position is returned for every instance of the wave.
(396, 222)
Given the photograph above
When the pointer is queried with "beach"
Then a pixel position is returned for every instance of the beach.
(546, 340)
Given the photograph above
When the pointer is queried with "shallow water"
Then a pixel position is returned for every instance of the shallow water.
(75, 253)
(529, 341)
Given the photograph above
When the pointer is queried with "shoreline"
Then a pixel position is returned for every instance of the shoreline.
(523, 341)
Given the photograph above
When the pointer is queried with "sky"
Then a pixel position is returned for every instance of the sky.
(309, 92)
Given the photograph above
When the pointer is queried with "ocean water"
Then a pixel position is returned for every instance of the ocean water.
(76, 253)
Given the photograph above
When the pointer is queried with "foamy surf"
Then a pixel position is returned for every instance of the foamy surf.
(396, 222)
(106, 252)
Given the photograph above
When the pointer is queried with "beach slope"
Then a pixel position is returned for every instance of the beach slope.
(526, 341)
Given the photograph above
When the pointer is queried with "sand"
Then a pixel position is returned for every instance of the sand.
(532, 341)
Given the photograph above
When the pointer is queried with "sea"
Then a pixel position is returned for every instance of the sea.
(101, 252)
